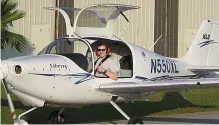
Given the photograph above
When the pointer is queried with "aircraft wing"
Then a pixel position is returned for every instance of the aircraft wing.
(148, 86)
(203, 68)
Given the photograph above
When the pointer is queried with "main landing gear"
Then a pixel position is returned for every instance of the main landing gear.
(56, 117)
(133, 120)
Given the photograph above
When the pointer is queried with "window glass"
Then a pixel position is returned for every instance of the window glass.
(75, 49)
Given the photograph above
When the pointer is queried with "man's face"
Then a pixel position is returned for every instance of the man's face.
(102, 51)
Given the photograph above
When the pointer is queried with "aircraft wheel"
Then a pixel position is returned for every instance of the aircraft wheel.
(54, 119)
(135, 120)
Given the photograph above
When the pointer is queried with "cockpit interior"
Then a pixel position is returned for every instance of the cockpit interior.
(79, 51)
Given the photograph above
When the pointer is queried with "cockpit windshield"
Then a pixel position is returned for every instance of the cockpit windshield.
(75, 49)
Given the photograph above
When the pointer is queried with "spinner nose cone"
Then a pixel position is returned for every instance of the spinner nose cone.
(3, 70)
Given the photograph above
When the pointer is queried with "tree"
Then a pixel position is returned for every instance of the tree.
(9, 13)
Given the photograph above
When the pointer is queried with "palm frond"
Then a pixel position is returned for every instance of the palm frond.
(14, 40)
(8, 6)
(12, 17)
(9, 13)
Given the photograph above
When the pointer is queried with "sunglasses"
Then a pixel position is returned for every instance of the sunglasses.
(101, 49)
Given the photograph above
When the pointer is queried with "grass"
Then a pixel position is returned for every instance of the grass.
(159, 104)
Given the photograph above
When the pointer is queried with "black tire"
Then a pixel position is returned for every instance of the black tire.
(135, 120)
(53, 118)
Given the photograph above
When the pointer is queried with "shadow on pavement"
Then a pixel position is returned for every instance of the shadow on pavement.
(107, 113)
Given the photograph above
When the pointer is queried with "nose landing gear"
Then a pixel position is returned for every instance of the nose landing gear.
(17, 120)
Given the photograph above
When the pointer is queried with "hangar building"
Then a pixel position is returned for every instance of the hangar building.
(176, 21)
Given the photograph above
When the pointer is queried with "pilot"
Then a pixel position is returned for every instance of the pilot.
(104, 65)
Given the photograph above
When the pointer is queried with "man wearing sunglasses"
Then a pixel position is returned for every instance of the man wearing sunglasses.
(104, 65)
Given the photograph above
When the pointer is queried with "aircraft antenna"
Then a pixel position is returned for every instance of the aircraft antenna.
(155, 42)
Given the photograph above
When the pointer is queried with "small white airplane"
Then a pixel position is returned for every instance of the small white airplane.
(63, 72)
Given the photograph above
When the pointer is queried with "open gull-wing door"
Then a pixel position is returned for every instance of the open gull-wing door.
(93, 21)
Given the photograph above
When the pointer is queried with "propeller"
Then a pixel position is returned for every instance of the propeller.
(3, 70)
(3, 75)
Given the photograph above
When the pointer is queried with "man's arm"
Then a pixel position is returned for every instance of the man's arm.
(114, 70)
(112, 75)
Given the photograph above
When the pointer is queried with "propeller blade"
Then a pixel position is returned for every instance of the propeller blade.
(3, 70)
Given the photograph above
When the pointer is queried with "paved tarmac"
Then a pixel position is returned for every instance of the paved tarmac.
(191, 118)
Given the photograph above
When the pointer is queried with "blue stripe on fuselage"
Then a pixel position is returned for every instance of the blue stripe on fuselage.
(77, 74)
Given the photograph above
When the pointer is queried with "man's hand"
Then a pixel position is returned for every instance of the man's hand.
(100, 69)
(112, 75)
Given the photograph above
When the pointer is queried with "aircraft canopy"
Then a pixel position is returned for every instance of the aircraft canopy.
(92, 21)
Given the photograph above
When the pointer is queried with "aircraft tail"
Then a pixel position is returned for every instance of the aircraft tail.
(204, 50)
